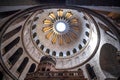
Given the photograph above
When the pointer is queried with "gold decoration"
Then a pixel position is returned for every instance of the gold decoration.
(60, 40)
(45, 29)
(60, 13)
(74, 21)
(47, 21)
(56, 36)
(52, 16)
(68, 15)
(76, 28)
(49, 34)
(54, 39)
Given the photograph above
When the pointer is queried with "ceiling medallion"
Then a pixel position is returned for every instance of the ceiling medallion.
(61, 28)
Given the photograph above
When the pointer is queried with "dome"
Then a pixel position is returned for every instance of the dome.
(63, 45)
(71, 36)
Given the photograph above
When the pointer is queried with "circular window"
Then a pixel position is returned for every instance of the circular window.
(60, 27)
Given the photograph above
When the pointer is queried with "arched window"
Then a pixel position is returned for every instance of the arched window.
(61, 54)
(32, 68)
(87, 34)
(23, 65)
(90, 71)
(13, 59)
(47, 51)
(79, 69)
(68, 53)
(54, 53)
(37, 42)
(84, 41)
(34, 26)
(36, 18)
(80, 46)
(42, 47)
(12, 44)
(74, 50)
(87, 25)
(34, 35)
(11, 33)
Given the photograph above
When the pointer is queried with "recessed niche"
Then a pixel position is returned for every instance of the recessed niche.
(87, 34)
(11, 33)
(54, 53)
(37, 42)
(74, 50)
(33, 26)
(61, 54)
(80, 46)
(87, 25)
(42, 47)
(36, 18)
(48, 51)
(68, 53)
(34, 35)
(11, 44)
(84, 41)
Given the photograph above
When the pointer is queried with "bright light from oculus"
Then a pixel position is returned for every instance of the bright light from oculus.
(61, 26)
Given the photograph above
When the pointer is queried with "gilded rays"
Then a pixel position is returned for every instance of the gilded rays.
(56, 37)
(60, 13)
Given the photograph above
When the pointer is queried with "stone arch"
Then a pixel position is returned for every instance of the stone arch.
(108, 61)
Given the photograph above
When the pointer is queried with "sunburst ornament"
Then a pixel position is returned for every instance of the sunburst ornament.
(61, 28)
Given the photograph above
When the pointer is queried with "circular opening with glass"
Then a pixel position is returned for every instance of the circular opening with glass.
(60, 27)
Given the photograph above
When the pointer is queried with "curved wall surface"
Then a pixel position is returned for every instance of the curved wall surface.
(88, 38)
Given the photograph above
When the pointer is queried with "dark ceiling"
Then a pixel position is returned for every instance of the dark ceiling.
(67, 2)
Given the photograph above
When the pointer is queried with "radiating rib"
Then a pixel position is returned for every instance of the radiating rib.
(54, 39)
(60, 13)
(52, 16)
(45, 29)
(73, 35)
(76, 28)
(68, 15)
(49, 34)
(60, 40)
(74, 21)
(46, 21)
(67, 38)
